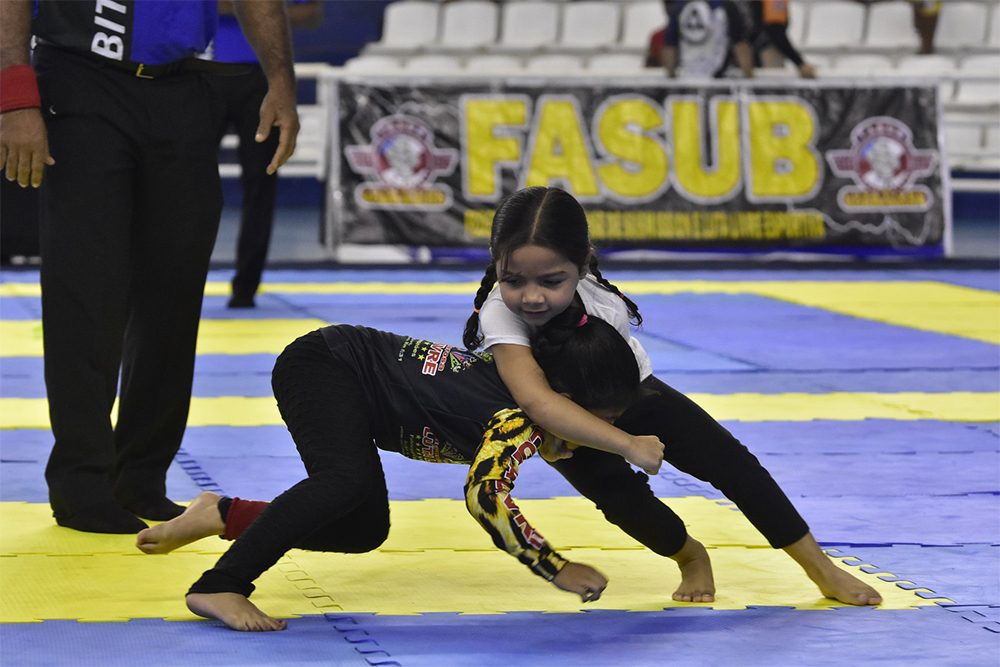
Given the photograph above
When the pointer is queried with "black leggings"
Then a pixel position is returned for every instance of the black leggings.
(343, 505)
(694, 443)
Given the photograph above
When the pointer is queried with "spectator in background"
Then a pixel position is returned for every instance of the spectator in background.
(770, 42)
(704, 37)
(654, 53)
(240, 98)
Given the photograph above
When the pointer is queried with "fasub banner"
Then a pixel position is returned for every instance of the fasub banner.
(818, 167)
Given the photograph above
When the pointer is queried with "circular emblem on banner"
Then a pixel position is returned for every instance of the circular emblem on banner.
(404, 154)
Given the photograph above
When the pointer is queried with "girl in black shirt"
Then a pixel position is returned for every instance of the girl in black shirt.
(341, 388)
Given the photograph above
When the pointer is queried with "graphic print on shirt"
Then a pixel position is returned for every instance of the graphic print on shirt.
(509, 440)
(704, 36)
(436, 356)
(428, 447)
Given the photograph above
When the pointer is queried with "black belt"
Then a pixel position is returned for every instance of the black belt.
(145, 71)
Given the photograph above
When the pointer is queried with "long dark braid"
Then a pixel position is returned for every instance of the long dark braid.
(633, 310)
(471, 338)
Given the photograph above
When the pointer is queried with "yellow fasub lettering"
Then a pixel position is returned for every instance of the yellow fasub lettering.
(560, 151)
(640, 169)
(703, 177)
(484, 148)
(784, 162)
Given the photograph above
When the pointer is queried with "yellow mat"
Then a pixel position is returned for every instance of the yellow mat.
(838, 406)
(435, 560)
(23, 338)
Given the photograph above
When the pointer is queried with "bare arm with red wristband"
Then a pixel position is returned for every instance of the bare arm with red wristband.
(24, 146)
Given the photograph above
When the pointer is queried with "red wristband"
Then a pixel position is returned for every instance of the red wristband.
(18, 88)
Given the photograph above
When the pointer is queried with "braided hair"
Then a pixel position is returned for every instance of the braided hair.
(587, 358)
(546, 217)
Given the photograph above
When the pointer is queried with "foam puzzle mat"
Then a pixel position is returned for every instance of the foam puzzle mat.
(872, 397)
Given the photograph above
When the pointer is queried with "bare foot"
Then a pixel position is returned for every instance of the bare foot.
(234, 610)
(840, 585)
(697, 582)
(200, 519)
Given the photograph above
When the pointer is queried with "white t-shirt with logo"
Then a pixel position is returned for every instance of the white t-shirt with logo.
(500, 326)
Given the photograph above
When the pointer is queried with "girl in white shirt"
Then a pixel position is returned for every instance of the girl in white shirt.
(548, 275)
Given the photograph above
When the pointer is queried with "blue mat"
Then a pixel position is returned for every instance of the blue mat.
(919, 519)
(766, 381)
(683, 637)
(310, 640)
(20, 308)
(870, 436)
(784, 336)
(968, 574)
(24, 481)
(881, 475)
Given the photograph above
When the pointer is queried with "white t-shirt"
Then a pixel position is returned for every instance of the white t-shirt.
(500, 326)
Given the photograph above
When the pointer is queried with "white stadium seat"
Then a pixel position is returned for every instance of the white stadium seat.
(963, 139)
(554, 63)
(961, 25)
(408, 26)
(798, 18)
(617, 63)
(835, 24)
(980, 92)
(641, 19)
(861, 64)
(589, 25)
(935, 64)
(468, 24)
(890, 27)
(528, 26)
(373, 63)
(492, 62)
(433, 62)
(993, 39)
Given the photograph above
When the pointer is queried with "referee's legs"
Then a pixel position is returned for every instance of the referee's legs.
(178, 204)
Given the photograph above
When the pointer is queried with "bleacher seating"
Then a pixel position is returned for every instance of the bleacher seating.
(528, 26)
(589, 25)
(554, 63)
(639, 20)
(493, 62)
(408, 26)
(842, 38)
(468, 25)
(861, 64)
(933, 65)
(962, 25)
(985, 91)
(834, 25)
(890, 27)
(616, 62)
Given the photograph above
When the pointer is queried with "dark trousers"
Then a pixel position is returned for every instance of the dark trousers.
(343, 505)
(694, 443)
(129, 215)
(239, 99)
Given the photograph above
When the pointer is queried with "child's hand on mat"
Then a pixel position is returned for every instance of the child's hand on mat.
(646, 453)
(581, 579)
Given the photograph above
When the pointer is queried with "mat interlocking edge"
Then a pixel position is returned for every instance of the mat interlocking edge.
(435, 560)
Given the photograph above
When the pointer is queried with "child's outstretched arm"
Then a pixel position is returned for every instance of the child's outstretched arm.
(509, 440)
(565, 419)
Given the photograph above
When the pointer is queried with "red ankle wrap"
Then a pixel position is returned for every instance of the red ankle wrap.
(241, 514)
